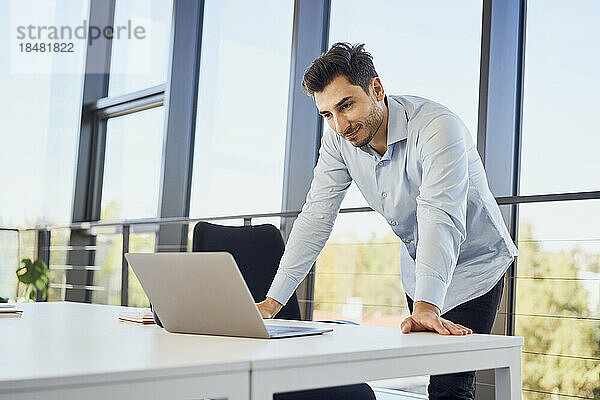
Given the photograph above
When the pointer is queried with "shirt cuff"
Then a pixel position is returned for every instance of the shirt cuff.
(282, 288)
(431, 290)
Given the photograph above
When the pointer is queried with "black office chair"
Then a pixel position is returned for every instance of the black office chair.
(257, 251)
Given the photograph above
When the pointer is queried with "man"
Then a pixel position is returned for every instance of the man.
(415, 163)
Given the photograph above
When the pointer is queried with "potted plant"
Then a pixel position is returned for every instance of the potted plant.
(35, 275)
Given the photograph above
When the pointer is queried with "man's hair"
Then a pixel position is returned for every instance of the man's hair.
(351, 61)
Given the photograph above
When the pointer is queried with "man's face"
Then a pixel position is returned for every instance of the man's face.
(353, 114)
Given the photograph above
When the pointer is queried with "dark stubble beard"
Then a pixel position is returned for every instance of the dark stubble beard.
(372, 123)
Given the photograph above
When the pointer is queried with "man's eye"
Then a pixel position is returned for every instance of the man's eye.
(345, 106)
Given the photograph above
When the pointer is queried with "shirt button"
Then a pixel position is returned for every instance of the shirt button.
(380, 163)
(384, 194)
(394, 223)
(406, 240)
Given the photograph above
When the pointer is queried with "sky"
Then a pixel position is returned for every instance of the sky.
(427, 48)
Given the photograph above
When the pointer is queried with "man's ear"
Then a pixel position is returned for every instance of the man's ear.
(377, 88)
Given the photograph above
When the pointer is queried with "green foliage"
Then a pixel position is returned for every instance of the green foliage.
(35, 276)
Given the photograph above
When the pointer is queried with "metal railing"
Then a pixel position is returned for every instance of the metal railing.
(43, 244)
(43, 233)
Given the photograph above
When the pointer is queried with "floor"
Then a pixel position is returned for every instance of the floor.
(394, 394)
(414, 388)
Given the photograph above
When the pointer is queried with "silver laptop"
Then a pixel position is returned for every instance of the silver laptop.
(204, 293)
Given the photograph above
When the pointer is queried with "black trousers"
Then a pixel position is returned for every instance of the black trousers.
(477, 314)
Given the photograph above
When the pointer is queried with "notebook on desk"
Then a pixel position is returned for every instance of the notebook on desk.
(205, 293)
(142, 316)
(9, 311)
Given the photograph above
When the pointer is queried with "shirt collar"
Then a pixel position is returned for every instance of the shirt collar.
(397, 121)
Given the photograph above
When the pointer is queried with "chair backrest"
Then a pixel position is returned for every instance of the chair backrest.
(257, 251)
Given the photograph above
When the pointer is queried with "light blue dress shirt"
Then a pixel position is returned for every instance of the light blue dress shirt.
(430, 186)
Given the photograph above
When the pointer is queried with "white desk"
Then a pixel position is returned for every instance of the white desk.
(357, 354)
(81, 351)
(70, 350)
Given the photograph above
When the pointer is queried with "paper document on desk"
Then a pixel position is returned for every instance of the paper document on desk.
(9, 311)
(143, 316)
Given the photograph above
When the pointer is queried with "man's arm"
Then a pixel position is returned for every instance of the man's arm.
(312, 227)
(441, 221)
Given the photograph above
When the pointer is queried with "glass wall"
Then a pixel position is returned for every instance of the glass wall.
(558, 269)
(558, 298)
(26, 248)
(242, 107)
(429, 49)
(134, 146)
(59, 249)
(357, 277)
(139, 64)
(143, 241)
(9, 259)
(106, 288)
(40, 112)
(132, 165)
(560, 132)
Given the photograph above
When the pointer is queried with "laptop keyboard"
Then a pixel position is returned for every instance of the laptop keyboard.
(279, 329)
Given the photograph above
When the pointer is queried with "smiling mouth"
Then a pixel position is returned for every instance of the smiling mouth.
(352, 134)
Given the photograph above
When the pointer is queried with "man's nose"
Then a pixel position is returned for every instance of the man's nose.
(341, 124)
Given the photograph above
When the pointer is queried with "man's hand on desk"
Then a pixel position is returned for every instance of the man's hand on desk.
(426, 317)
(269, 307)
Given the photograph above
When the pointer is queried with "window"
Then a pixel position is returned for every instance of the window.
(132, 165)
(40, 114)
(59, 245)
(106, 288)
(426, 48)
(558, 273)
(139, 242)
(9, 259)
(430, 49)
(139, 62)
(558, 298)
(560, 134)
(242, 108)
(358, 273)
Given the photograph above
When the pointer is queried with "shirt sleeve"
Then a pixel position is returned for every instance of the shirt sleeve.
(441, 206)
(314, 224)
